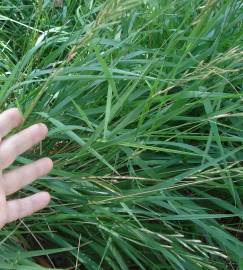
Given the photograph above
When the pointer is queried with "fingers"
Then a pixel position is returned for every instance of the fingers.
(9, 119)
(15, 180)
(20, 142)
(21, 208)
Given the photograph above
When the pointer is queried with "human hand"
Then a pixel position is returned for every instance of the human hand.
(14, 180)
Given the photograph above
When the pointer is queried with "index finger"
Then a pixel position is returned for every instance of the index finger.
(9, 119)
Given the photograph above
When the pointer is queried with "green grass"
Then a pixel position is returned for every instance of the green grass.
(144, 103)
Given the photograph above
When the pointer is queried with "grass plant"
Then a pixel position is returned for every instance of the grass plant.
(144, 104)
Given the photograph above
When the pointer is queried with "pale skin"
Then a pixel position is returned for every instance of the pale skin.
(13, 180)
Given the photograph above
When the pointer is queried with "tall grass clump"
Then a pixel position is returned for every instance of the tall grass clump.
(144, 104)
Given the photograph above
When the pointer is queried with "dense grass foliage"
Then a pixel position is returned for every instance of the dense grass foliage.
(144, 104)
